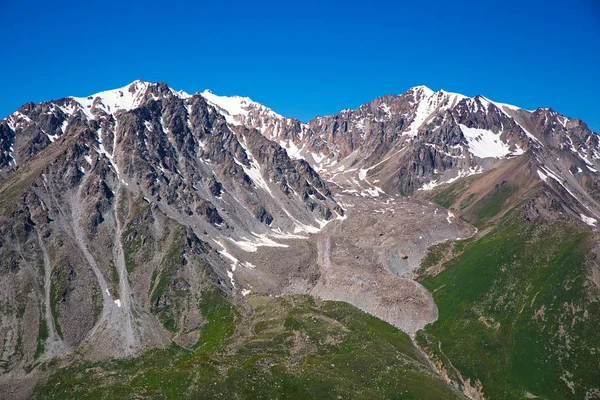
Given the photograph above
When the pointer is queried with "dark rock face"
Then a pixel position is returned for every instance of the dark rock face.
(6, 142)
(262, 215)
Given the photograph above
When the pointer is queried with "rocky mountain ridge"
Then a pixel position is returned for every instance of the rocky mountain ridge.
(421, 139)
(143, 175)
(120, 210)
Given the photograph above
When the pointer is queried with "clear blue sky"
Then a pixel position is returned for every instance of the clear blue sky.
(307, 58)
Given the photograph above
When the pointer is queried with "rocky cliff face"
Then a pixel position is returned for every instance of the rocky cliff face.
(119, 209)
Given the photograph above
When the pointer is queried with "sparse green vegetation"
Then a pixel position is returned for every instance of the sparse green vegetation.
(217, 310)
(19, 346)
(492, 203)
(114, 277)
(57, 289)
(97, 302)
(466, 202)
(15, 187)
(160, 287)
(134, 236)
(279, 348)
(132, 242)
(169, 296)
(446, 197)
(170, 261)
(42, 336)
(436, 254)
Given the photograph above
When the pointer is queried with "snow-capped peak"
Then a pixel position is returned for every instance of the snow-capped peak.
(126, 98)
(181, 94)
(428, 103)
(423, 90)
(236, 108)
(425, 93)
(452, 98)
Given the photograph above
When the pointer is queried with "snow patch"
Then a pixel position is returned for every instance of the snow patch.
(235, 106)
(299, 226)
(362, 174)
(424, 109)
(248, 265)
(371, 192)
(102, 150)
(542, 176)
(254, 170)
(277, 233)
(230, 257)
(484, 144)
(111, 101)
(432, 184)
(342, 217)
(428, 103)
(252, 244)
(588, 220)
(254, 173)
(230, 275)
(461, 174)
(63, 127)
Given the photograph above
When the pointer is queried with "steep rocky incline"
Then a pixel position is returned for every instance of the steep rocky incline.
(161, 139)
(119, 209)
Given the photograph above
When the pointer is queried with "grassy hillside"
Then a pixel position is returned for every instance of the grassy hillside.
(272, 348)
(517, 310)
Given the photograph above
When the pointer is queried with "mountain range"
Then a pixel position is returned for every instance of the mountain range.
(127, 215)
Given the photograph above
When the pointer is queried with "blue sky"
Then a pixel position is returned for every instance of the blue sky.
(307, 58)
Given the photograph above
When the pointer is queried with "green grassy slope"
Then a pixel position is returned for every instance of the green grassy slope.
(517, 310)
(271, 348)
